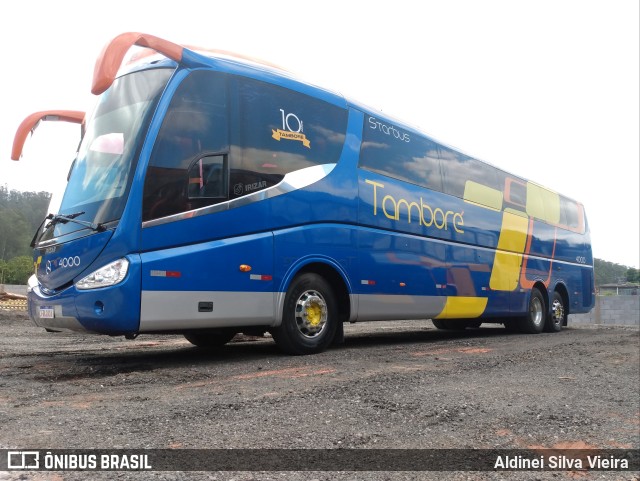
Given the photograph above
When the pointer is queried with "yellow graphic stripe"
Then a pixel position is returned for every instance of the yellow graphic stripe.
(543, 204)
(36, 264)
(482, 195)
(458, 307)
(511, 244)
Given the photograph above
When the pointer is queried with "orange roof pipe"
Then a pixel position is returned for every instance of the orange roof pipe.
(104, 74)
(31, 122)
(110, 59)
(112, 55)
(240, 56)
(199, 50)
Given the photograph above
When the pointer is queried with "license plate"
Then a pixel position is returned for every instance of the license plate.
(46, 312)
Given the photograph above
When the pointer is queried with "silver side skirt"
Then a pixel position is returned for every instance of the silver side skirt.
(177, 310)
(381, 307)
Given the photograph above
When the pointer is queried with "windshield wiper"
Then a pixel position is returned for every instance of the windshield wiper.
(63, 219)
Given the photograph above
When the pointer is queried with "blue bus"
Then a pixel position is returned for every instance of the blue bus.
(213, 195)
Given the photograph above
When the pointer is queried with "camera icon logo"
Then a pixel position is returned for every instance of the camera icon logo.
(23, 460)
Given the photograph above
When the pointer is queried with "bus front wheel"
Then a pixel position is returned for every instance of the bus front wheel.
(309, 318)
(533, 322)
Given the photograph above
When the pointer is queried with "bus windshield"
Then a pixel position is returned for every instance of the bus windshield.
(102, 172)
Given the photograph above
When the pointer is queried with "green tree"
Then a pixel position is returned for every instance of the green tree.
(13, 234)
(18, 270)
(609, 272)
(633, 275)
(3, 271)
(20, 215)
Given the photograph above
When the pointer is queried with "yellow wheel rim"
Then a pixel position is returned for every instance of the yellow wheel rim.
(311, 314)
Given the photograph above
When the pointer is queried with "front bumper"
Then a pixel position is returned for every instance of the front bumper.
(113, 310)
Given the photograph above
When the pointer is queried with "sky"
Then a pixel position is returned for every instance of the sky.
(545, 89)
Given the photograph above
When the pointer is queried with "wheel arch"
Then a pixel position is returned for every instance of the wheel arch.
(332, 272)
(544, 291)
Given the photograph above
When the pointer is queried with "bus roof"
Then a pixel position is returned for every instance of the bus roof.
(110, 64)
(157, 50)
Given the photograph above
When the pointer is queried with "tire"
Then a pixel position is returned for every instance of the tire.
(209, 338)
(558, 315)
(535, 319)
(309, 318)
(455, 324)
(512, 325)
(440, 324)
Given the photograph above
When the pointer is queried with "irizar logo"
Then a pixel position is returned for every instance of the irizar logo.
(240, 189)
(255, 186)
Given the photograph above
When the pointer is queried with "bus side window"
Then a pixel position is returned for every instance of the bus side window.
(275, 131)
(400, 154)
(571, 215)
(543, 204)
(515, 193)
(471, 179)
(190, 147)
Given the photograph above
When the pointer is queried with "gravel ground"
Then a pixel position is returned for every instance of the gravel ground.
(392, 385)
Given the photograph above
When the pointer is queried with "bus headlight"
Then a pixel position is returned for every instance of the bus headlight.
(32, 283)
(109, 275)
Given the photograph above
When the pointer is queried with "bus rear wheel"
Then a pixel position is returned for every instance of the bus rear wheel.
(309, 318)
(208, 338)
(535, 319)
(558, 317)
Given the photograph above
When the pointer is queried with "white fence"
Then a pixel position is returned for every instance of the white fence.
(612, 311)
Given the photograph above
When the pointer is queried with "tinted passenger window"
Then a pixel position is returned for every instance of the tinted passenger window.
(471, 179)
(571, 215)
(393, 151)
(194, 132)
(543, 204)
(515, 194)
(276, 131)
(459, 168)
